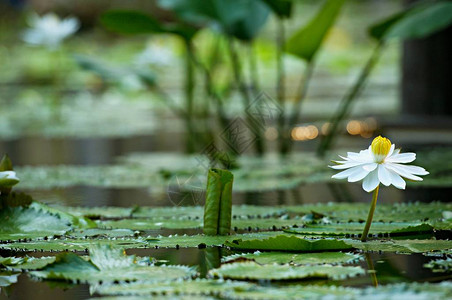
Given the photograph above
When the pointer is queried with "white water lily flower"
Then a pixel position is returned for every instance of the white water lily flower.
(155, 55)
(8, 179)
(380, 163)
(49, 30)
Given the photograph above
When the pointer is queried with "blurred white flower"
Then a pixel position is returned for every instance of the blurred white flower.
(8, 179)
(381, 162)
(49, 30)
(155, 55)
(131, 82)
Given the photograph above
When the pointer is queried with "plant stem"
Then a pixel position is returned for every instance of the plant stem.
(371, 268)
(371, 215)
(280, 86)
(346, 104)
(216, 97)
(253, 68)
(189, 96)
(237, 70)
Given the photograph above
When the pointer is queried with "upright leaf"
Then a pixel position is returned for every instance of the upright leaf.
(307, 40)
(422, 22)
(282, 8)
(129, 22)
(134, 22)
(239, 18)
(418, 21)
(6, 164)
(218, 207)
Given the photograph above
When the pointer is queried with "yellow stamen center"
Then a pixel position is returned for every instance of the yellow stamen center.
(380, 148)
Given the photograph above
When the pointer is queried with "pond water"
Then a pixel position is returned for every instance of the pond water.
(104, 128)
(389, 267)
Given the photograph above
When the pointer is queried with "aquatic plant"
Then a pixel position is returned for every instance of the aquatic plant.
(49, 30)
(380, 163)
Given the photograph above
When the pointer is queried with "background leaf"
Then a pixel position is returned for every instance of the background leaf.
(305, 42)
(419, 21)
(130, 22)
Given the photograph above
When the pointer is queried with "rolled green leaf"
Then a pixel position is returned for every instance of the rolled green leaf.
(218, 207)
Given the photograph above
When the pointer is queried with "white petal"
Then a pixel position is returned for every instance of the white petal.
(370, 167)
(358, 175)
(346, 173)
(402, 171)
(395, 152)
(391, 150)
(346, 165)
(415, 170)
(362, 156)
(371, 181)
(383, 175)
(402, 158)
(396, 180)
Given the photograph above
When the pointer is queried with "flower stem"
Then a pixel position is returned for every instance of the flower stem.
(371, 215)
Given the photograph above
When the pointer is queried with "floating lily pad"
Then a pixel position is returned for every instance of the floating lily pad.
(294, 258)
(390, 292)
(254, 271)
(354, 212)
(37, 221)
(26, 263)
(185, 212)
(347, 229)
(255, 174)
(289, 243)
(402, 246)
(294, 292)
(100, 233)
(108, 264)
(191, 287)
(183, 223)
(7, 278)
(69, 244)
(29, 222)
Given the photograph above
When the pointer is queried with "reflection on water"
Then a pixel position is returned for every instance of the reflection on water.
(27, 288)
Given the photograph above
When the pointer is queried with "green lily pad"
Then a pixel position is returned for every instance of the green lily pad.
(289, 243)
(37, 221)
(100, 233)
(391, 292)
(78, 244)
(254, 271)
(174, 212)
(7, 278)
(347, 229)
(190, 287)
(294, 292)
(294, 258)
(184, 223)
(26, 263)
(354, 212)
(402, 246)
(108, 264)
(29, 222)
